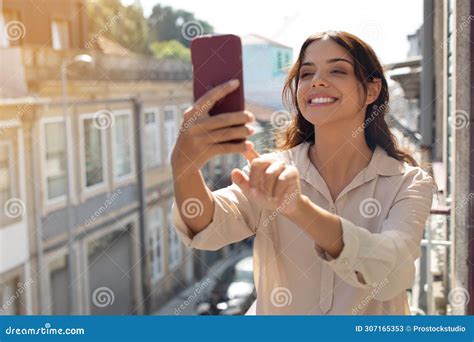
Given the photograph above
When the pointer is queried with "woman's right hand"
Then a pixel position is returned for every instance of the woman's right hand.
(202, 137)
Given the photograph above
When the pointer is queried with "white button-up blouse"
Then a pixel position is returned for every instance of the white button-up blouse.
(383, 211)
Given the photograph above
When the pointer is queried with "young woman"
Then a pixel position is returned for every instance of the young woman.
(338, 211)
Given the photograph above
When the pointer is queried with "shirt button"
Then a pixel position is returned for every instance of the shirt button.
(332, 210)
(345, 261)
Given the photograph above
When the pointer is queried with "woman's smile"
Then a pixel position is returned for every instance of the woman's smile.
(321, 100)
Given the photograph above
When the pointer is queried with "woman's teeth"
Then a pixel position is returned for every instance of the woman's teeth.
(322, 100)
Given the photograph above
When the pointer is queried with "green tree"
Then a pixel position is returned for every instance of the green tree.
(125, 25)
(166, 23)
(170, 49)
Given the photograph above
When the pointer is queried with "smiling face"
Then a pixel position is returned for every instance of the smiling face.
(328, 90)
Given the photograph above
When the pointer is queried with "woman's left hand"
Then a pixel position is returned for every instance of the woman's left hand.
(272, 183)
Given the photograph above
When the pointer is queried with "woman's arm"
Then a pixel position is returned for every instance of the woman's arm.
(382, 261)
(193, 198)
(201, 138)
(361, 258)
(329, 233)
(234, 218)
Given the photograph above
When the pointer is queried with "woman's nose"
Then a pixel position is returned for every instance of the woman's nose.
(318, 80)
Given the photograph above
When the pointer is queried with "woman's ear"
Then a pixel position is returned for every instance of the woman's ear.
(373, 90)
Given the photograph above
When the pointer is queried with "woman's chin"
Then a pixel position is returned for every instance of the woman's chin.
(319, 117)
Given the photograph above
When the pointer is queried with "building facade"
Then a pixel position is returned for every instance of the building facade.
(86, 183)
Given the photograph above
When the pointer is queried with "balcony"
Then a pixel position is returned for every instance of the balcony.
(31, 65)
(432, 290)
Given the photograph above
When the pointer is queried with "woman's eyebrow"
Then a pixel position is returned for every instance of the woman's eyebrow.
(332, 60)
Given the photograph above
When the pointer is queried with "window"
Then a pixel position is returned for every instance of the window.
(152, 138)
(287, 60)
(237, 161)
(55, 159)
(206, 172)
(4, 42)
(9, 298)
(218, 168)
(123, 140)
(171, 130)
(97, 247)
(173, 242)
(279, 61)
(93, 153)
(155, 231)
(60, 34)
(15, 27)
(5, 174)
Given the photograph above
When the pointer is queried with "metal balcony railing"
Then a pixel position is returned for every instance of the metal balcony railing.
(43, 63)
(433, 267)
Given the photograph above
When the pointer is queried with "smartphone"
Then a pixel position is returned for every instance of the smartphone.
(217, 58)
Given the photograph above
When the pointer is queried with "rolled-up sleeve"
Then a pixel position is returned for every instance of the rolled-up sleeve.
(385, 261)
(235, 218)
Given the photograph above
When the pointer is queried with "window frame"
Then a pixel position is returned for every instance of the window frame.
(157, 127)
(44, 177)
(155, 230)
(174, 109)
(131, 144)
(7, 43)
(103, 139)
(13, 190)
(173, 265)
(68, 26)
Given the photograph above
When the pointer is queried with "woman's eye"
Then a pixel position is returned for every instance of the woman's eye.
(305, 74)
(338, 72)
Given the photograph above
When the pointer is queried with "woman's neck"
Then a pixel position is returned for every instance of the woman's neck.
(339, 155)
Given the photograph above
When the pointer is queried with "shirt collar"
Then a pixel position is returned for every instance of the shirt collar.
(381, 164)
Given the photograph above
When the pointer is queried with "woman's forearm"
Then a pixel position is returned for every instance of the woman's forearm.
(322, 226)
(193, 198)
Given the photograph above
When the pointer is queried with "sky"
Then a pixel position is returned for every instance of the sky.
(383, 24)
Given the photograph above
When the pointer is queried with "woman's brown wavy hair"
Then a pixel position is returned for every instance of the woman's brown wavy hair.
(367, 68)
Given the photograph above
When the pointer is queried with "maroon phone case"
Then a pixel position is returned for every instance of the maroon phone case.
(217, 59)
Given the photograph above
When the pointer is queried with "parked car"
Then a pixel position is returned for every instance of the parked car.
(233, 292)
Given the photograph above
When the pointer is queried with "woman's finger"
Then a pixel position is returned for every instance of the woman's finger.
(226, 120)
(271, 176)
(250, 155)
(223, 148)
(287, 180)
(242, 180)
(209, 99)
(231, 133)
(257, 170)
